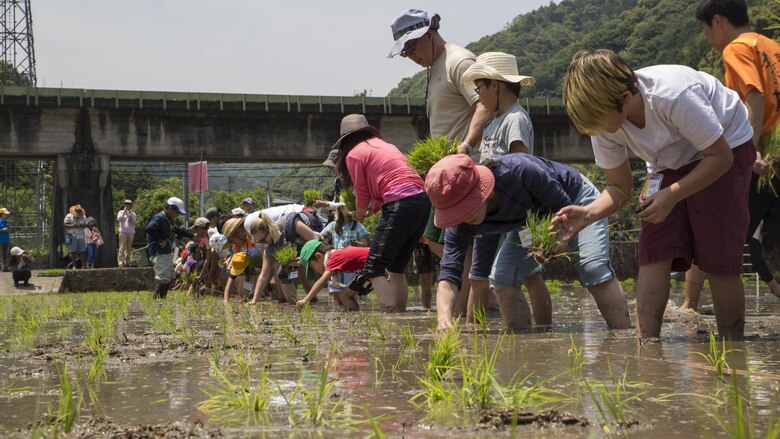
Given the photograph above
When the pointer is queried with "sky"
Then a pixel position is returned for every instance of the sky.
(296, 47)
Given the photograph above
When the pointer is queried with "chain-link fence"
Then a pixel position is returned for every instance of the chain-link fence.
(26, 189)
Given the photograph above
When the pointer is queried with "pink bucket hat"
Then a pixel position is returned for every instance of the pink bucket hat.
(457, 188)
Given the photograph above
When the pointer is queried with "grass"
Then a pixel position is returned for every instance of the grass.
(480, 319)
(576, 359)
(52, 272)
(310, 196)
(69, 406)
(611, 399)
(426, 152)
(543, 240)
(716, 357)
(553, 286)
(407, 335)
(442, 354)
(286, 255)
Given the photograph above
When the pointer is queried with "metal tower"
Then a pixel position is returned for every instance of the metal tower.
(17, 42)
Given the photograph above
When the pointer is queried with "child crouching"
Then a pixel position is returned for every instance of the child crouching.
(338, 266)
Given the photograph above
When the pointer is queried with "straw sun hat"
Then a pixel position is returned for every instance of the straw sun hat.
(496, 65)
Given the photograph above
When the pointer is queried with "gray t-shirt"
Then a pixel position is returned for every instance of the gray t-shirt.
(514, 124)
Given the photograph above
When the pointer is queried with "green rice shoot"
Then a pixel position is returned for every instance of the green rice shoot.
(426, 152)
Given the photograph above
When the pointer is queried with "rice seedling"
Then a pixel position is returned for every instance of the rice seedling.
(628, 284)
(379, 332)
(520, 393)
(227, 395)
(310, 196)
(318, 401)
(347, 196)
(480, 388)
(442, 354)
(543, 240)
(286, 255)
(407, 335)
(306, 316)
(717, 354)
(576, 359)
(289, 334)
(426, 152)
(480, 319)
(69, 407)
(611, 399)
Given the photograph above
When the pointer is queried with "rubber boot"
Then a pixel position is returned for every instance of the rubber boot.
(156, 293)
(164, 291)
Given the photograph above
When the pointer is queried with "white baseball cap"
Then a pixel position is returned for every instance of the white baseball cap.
(178, 203)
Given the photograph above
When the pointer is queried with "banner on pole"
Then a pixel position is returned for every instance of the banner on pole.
(198, 175)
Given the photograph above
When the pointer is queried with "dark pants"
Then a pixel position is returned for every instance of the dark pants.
(399, 229)
(22, 275)
(764, 206)
(4, 250)
(92, 250)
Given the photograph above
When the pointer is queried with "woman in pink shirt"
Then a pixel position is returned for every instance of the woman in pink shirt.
(381, 178)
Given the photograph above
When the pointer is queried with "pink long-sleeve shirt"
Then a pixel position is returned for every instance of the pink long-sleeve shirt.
(380, 173)
(126, 221)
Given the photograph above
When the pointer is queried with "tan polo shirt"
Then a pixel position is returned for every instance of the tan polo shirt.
(449, 101)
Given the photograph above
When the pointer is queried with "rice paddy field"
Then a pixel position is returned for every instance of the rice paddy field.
(121, 364)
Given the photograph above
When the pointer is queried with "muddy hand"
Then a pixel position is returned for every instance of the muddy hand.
(568, 222)
(657, 207)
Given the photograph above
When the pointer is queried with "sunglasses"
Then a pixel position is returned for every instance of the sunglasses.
(476, 89)
(409, 48)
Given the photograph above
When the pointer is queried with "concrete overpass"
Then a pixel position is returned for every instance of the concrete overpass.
(83, 130)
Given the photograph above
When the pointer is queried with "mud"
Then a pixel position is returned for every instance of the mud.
(157, 378)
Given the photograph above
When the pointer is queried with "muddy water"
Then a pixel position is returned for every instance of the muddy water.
(154, 377)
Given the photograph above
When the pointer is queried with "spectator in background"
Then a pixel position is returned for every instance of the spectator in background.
(345, 232)
(161, 233)
(75, 222)
(237, 213)
(5, 236)
(126, 218)
(248, 205)
(21, 262)
(94, 240)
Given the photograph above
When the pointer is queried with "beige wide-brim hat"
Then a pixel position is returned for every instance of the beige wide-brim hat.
(496, 65)
(230, 227)
(351, 124)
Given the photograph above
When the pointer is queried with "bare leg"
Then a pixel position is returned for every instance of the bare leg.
(384, 293)
(228, 286)
(652, 294)
(400, 291)
(514, 308)
(445, 300)
(478, 298)
(541, 302)
(426, 288)
(612, 303)
(728, 299)
(694, 282)
(290, 291)
(436, 248)
(774, 286)
(348, 299)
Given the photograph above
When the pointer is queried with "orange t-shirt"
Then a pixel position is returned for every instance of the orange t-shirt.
(752, 62)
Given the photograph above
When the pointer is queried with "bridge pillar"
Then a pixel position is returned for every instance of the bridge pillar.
(84, 178)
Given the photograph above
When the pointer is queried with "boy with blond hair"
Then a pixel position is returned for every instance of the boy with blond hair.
(694, 134)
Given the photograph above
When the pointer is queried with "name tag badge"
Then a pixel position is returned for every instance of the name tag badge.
(525, 238)
(651, 186)
(248, 286)
(293, 275)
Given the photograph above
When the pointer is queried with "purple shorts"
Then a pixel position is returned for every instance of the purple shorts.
(707, 228)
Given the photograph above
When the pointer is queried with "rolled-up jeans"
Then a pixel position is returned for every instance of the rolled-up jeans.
(163, 268)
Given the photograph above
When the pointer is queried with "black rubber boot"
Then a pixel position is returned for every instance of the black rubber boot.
(164, 291)
(156, 293)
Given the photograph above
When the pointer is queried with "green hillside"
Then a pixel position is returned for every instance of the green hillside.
(644, 32)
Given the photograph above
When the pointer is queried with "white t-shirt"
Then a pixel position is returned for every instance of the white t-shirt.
(275, 213)
(513, 124)
(449, 100)
(686, 111)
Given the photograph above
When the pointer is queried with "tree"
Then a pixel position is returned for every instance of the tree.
(10, 76)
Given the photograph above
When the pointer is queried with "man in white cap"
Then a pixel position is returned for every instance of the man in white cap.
(454, 109)
(126, 218)
(161, 234)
